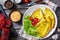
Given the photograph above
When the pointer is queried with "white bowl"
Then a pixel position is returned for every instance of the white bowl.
(30, 10)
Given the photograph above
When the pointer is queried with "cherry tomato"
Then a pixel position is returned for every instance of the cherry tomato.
(33, 23)
(26, 1)
(35, 20)
(30, 18)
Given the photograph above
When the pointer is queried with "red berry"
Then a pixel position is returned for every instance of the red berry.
(2, 17)
(1, 26)
(0, 39)
(30, 18)
(5, 34)
(8, 23)
(2, 22)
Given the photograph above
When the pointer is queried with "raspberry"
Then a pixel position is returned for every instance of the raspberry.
(0, 38)
(5, 34)
(2, 22)
(8, 23)
(2, 17)
(1, 26)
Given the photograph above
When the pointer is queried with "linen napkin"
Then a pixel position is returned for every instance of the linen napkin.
(52, 6)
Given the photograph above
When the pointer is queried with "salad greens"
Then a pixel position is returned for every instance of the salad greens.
(28, 27)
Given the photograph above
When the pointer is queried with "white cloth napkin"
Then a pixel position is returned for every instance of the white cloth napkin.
(52, 6)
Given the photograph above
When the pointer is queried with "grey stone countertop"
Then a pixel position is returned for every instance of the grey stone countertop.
(56, 33)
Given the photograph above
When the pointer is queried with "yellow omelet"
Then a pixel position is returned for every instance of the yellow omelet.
(37, 14)
(48, 13)
(44, 27)
(46, 21)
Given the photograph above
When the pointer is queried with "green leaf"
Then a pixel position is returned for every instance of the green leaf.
(28, 27)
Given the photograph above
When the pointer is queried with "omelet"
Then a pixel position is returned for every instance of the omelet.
(37, 14)
(46, 21)
(48, 13)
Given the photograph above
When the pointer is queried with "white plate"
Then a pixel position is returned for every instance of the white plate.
(30, 10)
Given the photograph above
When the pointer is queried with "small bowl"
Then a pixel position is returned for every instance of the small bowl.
(10, 5)
(20, 15)
(16, 1)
